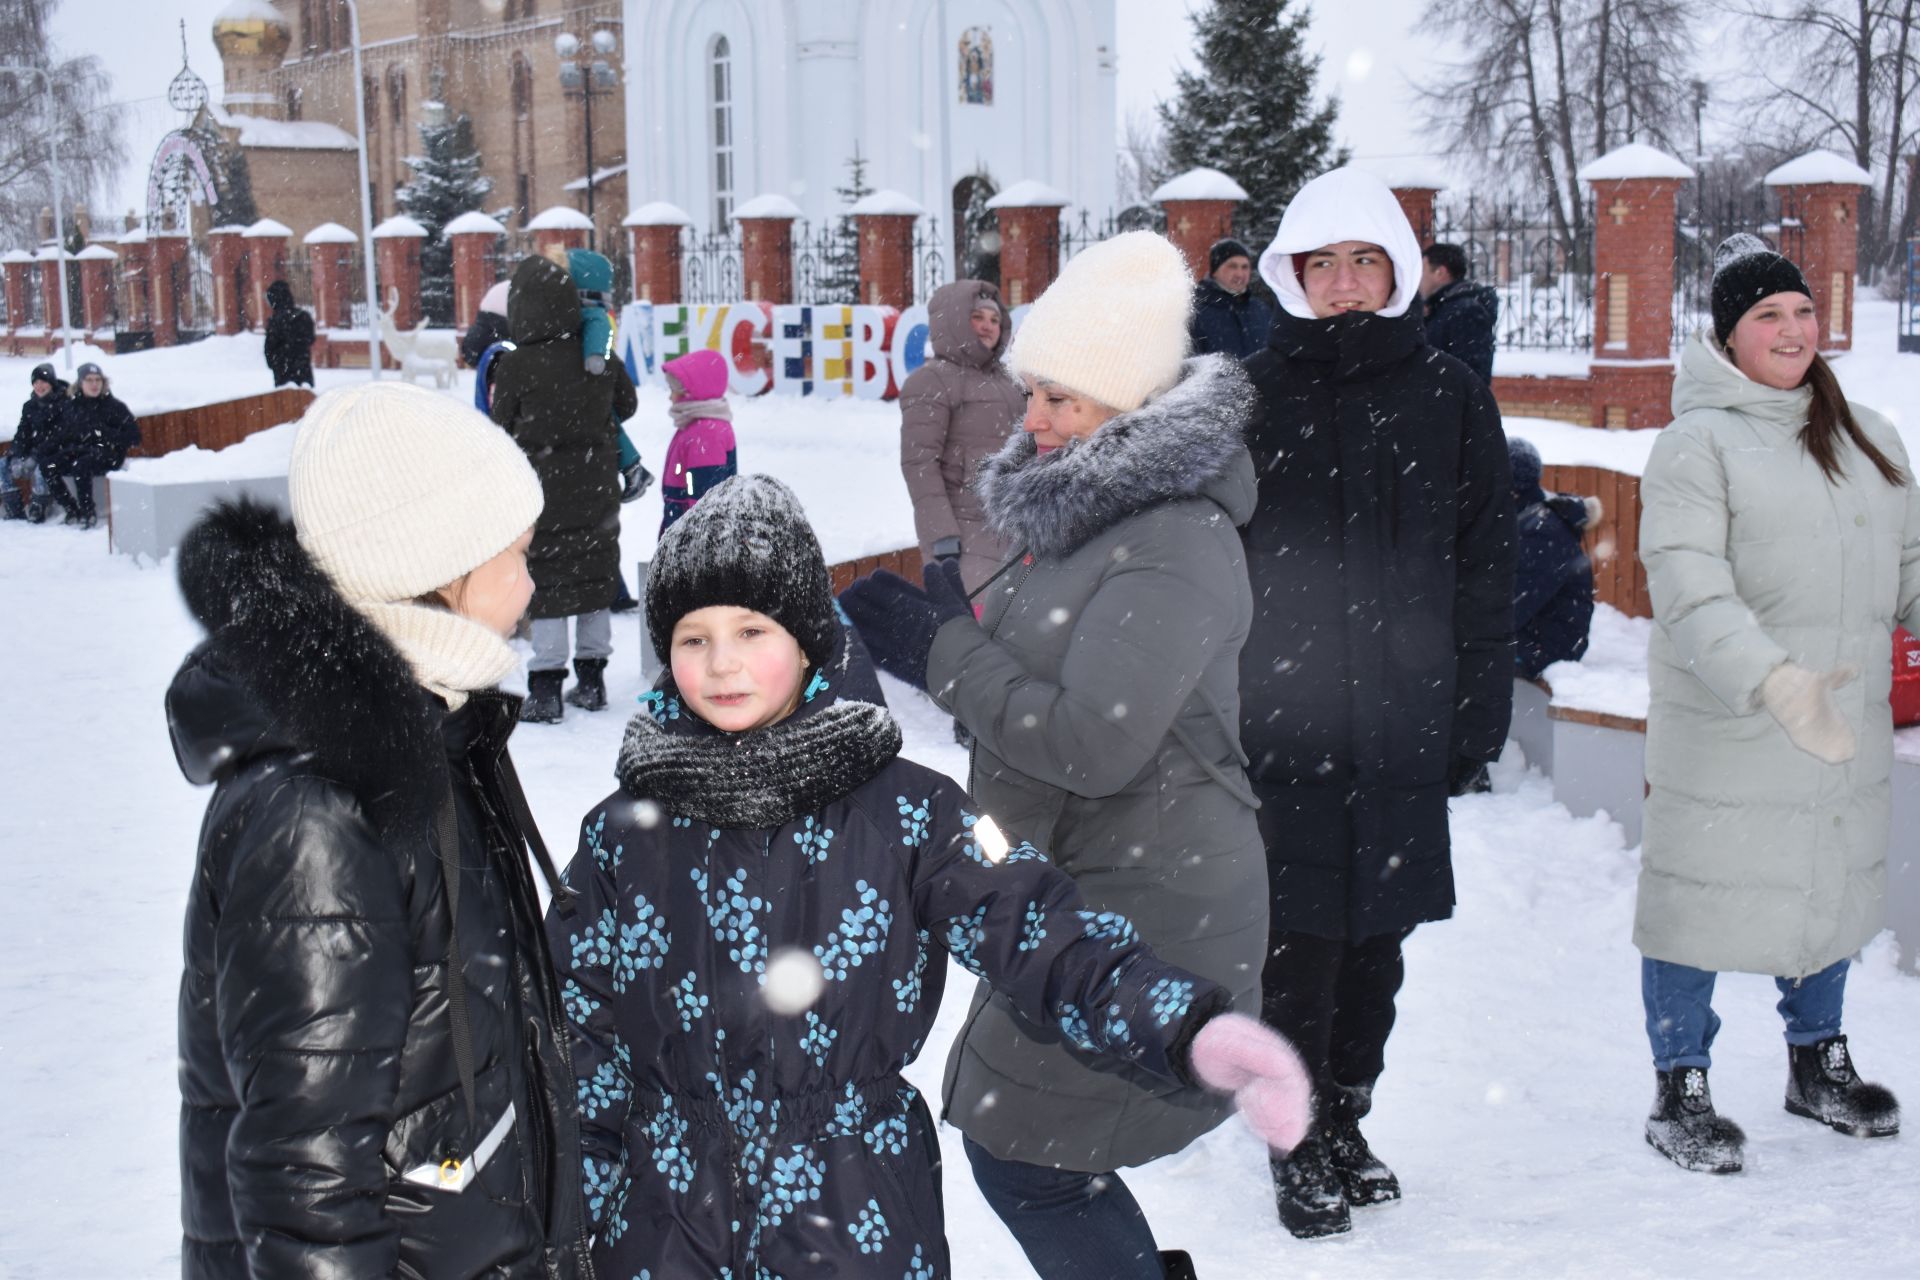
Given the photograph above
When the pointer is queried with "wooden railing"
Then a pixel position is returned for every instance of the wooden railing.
(218, 425)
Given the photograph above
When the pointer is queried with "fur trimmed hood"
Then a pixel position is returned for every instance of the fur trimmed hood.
(1188, 442)
(289, 666)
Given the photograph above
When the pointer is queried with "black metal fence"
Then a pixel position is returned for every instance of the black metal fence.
(1706, 214)
(1543, 272)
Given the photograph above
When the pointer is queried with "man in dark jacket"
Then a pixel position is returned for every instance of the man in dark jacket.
(289, 338)
(1378, 678)
(1553, 586)
(95, 434)
(1228, 318)
(568, 422)
(1460, 314)
(39, 426)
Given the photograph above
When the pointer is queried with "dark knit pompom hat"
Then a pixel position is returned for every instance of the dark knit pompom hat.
(746, 543)
(1223, 250)
(1745, 270)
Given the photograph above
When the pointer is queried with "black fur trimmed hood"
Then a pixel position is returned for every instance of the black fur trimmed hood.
(1189, 442)
(289, 666)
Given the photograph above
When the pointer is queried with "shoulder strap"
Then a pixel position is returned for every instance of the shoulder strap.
(448, 838)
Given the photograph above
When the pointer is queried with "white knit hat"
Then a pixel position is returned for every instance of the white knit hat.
(1113, 326)
(398, 490)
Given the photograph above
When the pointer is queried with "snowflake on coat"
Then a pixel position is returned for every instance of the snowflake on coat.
(606, 1190)
(818, 1041)
(601, 1091)
(643, 944)
(794, 1180)
(870, 1231)
(579, 1005)
(965, 934)
(688, 1002)
(1171, 998)
(862, 932)
(914, 819)
(813, 841)
(672, 1156)
(730, 914)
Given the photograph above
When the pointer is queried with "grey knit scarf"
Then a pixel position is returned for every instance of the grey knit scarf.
(685, 411)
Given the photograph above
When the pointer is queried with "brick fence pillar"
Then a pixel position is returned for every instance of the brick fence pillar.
(655, 228)
(16, 264)
(1199, 205)
(396, 249)
(56, 301)
(1634, 190)
(472, 237)
(884, 224)
(766, 248)
(136, 281)
(330, 268)
(166, 269)
(266, 262)
(96, 263)
(1029, 214)
(1821, 191)
(225, 250)
(1416, 201)
(558, 229)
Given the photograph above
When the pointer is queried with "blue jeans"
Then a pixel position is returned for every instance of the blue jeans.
(1681, 1023)
(1072, 1226)
(9, 464)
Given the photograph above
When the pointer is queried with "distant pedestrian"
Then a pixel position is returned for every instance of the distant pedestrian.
(1553, 583)
(1461, 315)
(289, 338)
(95, 434)
(568, 421)
(702, 453)
(489, 325)
(1228, 317)
(32, 441)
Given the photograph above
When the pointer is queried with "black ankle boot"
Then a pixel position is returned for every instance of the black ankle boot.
(1686, 1129)
(1822, 1085)
(589, 692)
(1363, 1176)
(1307, 1191)
(36, 510)
(1177, 1264)
(543, 704)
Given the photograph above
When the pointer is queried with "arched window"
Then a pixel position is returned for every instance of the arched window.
(720, 81)
(520, 93)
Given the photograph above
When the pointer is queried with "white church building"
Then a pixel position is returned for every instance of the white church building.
(729, 100)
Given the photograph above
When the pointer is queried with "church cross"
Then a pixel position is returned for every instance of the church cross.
(1619, 209)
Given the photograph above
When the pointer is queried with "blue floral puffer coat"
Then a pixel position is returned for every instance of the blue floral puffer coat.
(727, 1136)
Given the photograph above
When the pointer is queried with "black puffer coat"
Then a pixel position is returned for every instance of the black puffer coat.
(289, 345)
(1460, 321)
(320, 1087)
(568, 421)
(1553, 585)
(39, 423)
(93, 436)
(1381, 657)
(1228, 324)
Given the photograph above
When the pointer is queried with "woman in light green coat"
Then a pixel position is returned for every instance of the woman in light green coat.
(1781, 533)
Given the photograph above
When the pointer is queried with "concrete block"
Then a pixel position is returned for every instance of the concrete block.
(150, 518)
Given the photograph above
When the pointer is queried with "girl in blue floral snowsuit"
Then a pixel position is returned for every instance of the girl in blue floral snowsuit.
(740, 1126)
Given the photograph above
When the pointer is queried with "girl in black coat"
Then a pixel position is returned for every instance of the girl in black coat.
(374, 1074)
(759, 943)
(1378, 677)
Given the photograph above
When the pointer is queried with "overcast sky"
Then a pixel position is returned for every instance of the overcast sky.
(1368, 57)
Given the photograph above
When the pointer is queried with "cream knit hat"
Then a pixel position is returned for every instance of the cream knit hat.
(1113, 326)
(397, 490)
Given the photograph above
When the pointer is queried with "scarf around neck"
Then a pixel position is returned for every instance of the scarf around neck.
(451, 655)
(685, 411)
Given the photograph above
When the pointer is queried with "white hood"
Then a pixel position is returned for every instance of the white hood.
(1343, 204)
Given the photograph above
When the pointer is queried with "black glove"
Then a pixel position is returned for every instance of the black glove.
(1467, 777)
(898, 620)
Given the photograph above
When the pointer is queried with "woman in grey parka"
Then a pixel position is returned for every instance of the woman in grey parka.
(1781, 533)
(956, 410)
(1101, 685)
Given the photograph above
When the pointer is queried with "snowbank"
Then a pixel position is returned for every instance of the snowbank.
(886, 203)
(768, 206)
(1819, 168)
(1561, 444)
(1635, 160)
(1030, 194)
(1199, 184)
(1612, 676)
(559, 218)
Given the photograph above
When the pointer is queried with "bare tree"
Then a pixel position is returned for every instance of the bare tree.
(88, 124)
(1142, 162)
(1840, 74)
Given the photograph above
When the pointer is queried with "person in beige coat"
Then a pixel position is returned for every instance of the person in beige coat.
(956, 410)
(1781, 533)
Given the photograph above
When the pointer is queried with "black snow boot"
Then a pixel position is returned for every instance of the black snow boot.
(1822, 1085)
(589, 692)
(84, 505)
(1364, 1178)
(36, 509)
(543, 698)
(1308, 1193)
(1686, 1129)
(1177, 1264)
(64, 496)
(623, 601)
(11, 508)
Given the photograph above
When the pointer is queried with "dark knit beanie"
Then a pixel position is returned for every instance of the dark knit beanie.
(746, 543)
(1745, 270)
(1224, 249)
(44, 373)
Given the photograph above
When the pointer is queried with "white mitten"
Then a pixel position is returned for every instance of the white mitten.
(1802, 701)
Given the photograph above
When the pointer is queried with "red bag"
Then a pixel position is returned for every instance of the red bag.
(1906, 678)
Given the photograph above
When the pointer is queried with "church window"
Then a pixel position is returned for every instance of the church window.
(721, 67)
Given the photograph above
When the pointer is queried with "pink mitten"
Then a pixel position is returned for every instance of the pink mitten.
(1236, 1054)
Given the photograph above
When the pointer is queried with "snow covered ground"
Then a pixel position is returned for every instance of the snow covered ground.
(1516, 1080)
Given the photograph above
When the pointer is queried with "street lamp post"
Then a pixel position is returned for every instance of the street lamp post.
(59, 239)
(597, 77)
(366, 196)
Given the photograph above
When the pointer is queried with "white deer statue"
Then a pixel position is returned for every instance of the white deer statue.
(422, 352)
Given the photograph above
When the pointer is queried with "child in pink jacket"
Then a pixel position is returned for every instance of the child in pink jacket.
(702, 452)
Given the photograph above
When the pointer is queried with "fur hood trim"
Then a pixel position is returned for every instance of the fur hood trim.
(321, 678)
(1177, 445)
(758, 780)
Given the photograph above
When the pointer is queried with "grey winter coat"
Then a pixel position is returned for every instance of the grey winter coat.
(956, 410)
(1758, 857)
(1102, 689)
